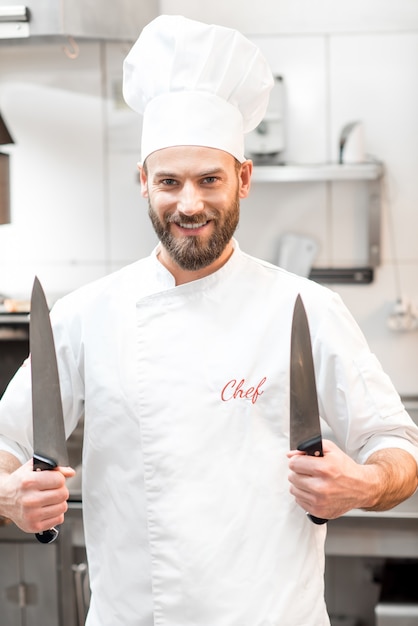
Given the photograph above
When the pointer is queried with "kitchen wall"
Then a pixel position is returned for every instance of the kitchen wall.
(76, 208)
(76, 205)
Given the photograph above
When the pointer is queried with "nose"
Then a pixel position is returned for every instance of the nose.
(190, 200)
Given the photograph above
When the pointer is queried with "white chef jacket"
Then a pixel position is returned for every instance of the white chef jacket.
(185, 394)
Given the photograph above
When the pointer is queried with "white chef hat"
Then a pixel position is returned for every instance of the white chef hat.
(195, 84)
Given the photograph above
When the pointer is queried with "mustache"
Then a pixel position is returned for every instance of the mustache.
(197, 218)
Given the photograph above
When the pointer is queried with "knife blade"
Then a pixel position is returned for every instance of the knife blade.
(305, 428)
(49, 444)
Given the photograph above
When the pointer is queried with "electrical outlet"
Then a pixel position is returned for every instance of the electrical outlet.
(404, 317)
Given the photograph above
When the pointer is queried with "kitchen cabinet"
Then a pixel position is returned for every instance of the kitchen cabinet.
(36, 580)
(358, 546)
(370, 172)
(29, 585)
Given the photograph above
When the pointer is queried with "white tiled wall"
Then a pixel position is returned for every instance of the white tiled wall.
(77, 209)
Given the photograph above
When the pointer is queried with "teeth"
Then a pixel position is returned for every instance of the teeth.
(193, 226)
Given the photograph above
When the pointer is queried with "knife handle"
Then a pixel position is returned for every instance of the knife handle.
(313, 447)
(317, 520)
(41, 463)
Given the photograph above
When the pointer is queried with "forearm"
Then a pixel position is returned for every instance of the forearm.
(8, 464)
(392, 478)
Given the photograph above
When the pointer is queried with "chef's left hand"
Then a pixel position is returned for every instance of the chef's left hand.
(327, 486)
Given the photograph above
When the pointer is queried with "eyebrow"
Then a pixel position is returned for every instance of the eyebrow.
(203, 174)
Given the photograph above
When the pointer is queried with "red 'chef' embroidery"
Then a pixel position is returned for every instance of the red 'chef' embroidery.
(234, 389)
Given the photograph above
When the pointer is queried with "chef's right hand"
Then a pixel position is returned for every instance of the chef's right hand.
(35, 501)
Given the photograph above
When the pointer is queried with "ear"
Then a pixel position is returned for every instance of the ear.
(143, 180)
(244, 178)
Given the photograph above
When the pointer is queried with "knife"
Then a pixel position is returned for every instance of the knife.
(49, 444)
(305, 428)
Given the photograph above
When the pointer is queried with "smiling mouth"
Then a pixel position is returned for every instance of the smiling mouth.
(189, 226)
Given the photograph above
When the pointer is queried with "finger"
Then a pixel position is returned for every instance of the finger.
(50, 480)
(53, 516)
(303, 464)
(54, 511)
(293, 453)
(68, 472)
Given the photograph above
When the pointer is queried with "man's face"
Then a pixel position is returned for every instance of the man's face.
(193, 195)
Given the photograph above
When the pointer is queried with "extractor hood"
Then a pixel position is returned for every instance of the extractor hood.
(119, 20)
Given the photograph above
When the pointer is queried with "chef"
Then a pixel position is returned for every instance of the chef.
(194, 508)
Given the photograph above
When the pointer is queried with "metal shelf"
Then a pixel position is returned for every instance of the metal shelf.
(370, 172)
(14, 318)
(300, 173)
(14, 326)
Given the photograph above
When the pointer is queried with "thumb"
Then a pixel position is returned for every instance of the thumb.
(68, 472)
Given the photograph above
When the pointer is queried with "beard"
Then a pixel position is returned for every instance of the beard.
(195, 252)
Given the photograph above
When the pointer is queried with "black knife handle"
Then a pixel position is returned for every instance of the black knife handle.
(41, 463)
(317, 520)
(48, 536)
(313, 447)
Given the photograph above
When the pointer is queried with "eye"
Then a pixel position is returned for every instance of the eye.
(210, 180)
(168, 182)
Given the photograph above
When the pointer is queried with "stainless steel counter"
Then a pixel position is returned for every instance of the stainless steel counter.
(371, 536)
